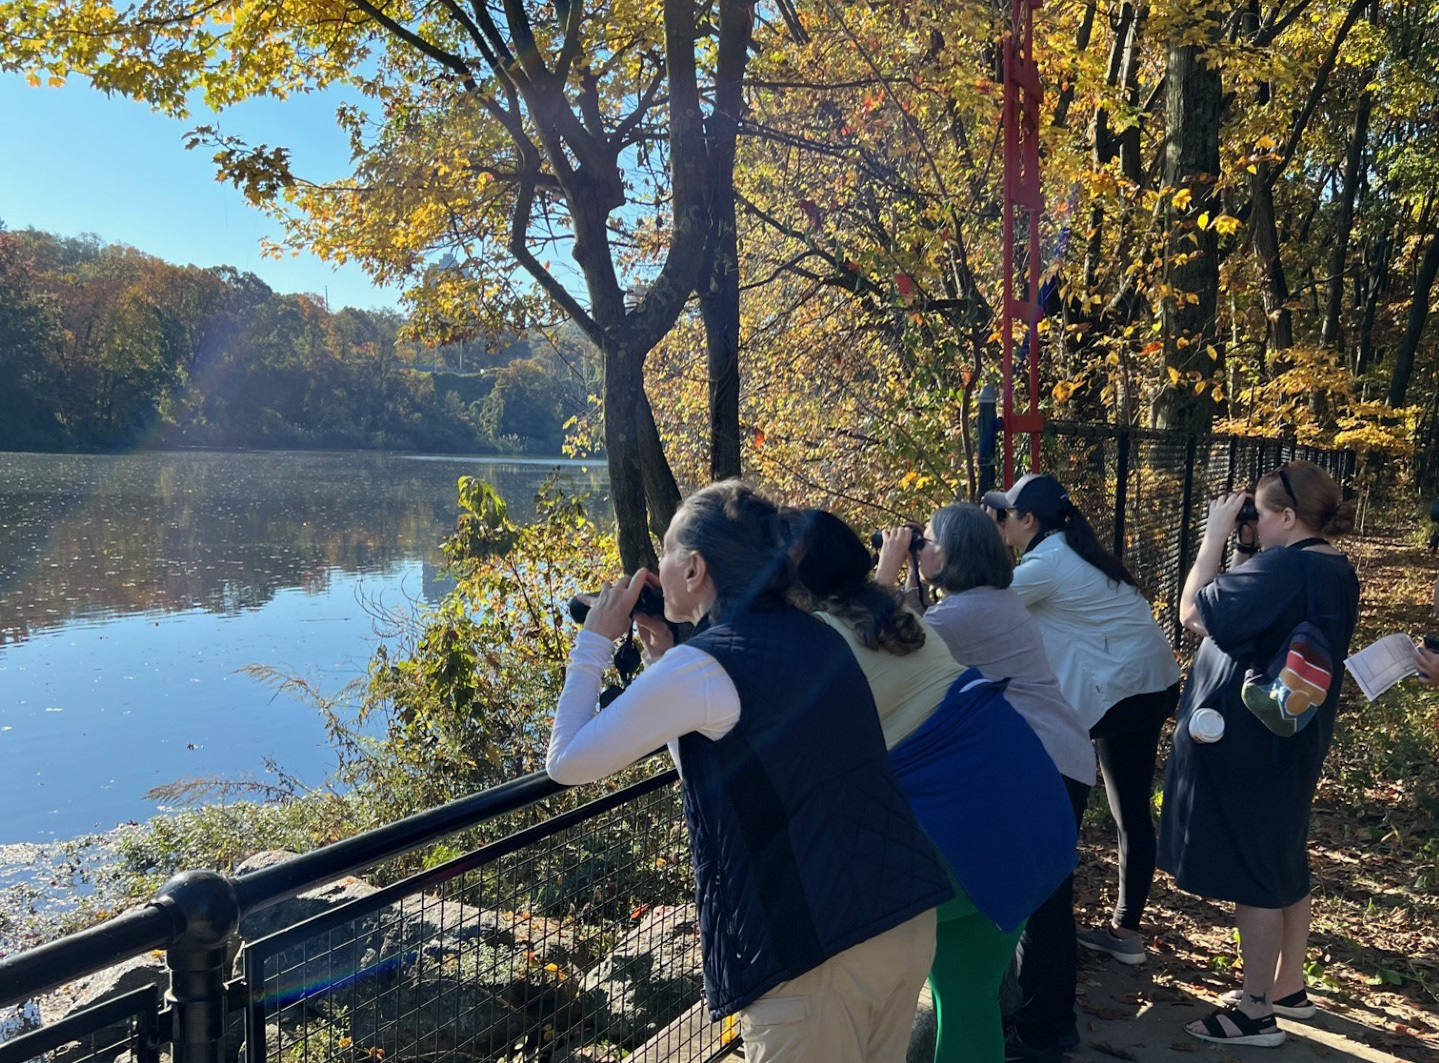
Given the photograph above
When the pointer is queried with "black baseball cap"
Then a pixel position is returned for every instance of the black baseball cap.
(1035, 492)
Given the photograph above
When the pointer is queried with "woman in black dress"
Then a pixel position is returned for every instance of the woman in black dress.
(1235, 822)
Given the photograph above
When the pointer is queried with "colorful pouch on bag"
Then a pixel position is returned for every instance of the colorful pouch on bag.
(1286, 696)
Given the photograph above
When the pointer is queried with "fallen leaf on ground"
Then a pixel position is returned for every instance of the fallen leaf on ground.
(1101, 1012)
(1110, 1050)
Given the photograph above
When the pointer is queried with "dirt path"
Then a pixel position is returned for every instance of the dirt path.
(1126, 1014)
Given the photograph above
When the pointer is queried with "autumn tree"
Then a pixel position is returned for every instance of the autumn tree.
(485, 138)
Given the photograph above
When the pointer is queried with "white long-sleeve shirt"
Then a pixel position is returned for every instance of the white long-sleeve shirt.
(1102, 639)
(685, 690)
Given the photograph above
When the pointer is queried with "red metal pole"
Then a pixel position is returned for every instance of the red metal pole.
(1022, 97)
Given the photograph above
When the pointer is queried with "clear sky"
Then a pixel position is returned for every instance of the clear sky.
(75, 161)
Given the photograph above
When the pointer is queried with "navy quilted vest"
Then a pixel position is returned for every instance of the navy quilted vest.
(803, 843)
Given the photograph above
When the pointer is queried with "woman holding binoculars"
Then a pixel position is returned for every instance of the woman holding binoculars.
(986, 626)
(1235, 822)
(976, 775)
(815, 885)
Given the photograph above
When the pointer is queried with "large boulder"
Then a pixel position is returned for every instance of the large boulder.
(136, 973)
(652, 976)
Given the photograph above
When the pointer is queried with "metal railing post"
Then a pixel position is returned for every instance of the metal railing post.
(206, 915)
(988, 428)
(1121, 492)
(1184, 510)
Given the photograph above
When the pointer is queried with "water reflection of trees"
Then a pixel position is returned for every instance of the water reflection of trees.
(93, 536)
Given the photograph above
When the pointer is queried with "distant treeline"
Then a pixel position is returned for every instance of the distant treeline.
(103, 346)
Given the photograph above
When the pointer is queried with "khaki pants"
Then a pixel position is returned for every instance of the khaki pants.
(856, 1007)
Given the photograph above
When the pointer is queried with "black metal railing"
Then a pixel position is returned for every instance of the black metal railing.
(573, 932)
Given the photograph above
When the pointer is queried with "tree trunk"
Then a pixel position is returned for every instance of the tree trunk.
(624, 454)
(662, 493)
(1418, 314)
(720, 309)
(642, 485)
(1330, 333)
(1131, 163)
(1193, 101)
(719, 288)
(1123, 68)
(1377, 277)
(1273, 285)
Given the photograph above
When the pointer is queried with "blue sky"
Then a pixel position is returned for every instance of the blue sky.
(76, 161)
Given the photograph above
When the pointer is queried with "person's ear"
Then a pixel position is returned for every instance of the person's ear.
(695, 571)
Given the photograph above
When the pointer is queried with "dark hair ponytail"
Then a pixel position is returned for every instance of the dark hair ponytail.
(744, 541)
(1081, 539)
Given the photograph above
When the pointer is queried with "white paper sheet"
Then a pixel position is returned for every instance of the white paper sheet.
(1381, 664)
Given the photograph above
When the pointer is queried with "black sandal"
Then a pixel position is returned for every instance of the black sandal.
(1262, 1032)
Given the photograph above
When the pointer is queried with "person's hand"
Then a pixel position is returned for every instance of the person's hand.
(610, 615)
(1427, 661)
(893, 552)
(656, 636)
(1223, 516)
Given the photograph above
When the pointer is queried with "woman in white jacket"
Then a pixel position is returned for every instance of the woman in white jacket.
(1114, 665)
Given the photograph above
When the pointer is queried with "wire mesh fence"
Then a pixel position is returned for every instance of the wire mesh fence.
(573, 939)
(127, 1027)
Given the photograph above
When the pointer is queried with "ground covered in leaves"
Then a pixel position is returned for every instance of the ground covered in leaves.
(1374, 843)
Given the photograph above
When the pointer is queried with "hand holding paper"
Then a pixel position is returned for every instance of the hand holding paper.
(1381, 664)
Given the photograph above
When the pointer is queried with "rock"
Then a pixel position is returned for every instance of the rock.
(421, 975)
(652, 976)
(692, 1037)
(146, 970)
(20, 1019)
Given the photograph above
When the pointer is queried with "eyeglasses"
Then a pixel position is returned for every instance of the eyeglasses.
(1289, 488)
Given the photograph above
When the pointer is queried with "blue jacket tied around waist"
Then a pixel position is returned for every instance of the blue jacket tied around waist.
(991, 799)
(803, 843)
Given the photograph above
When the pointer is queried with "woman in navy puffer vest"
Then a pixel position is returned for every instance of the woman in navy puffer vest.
(815, 885)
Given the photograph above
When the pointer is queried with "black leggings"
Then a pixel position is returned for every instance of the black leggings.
(1127, 738)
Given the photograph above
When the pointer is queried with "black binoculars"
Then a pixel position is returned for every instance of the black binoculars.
(1248, 513)
(916, 540)
(651, 602)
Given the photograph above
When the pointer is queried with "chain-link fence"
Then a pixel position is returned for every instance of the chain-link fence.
(578, 933)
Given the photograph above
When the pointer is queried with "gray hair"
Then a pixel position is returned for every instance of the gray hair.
(974, 554)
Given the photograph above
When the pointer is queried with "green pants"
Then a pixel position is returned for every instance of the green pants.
(970, 957)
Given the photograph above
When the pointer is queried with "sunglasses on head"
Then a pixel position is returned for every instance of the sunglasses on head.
(1288, 487)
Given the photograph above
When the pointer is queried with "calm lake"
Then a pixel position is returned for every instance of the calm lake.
(133, 589)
